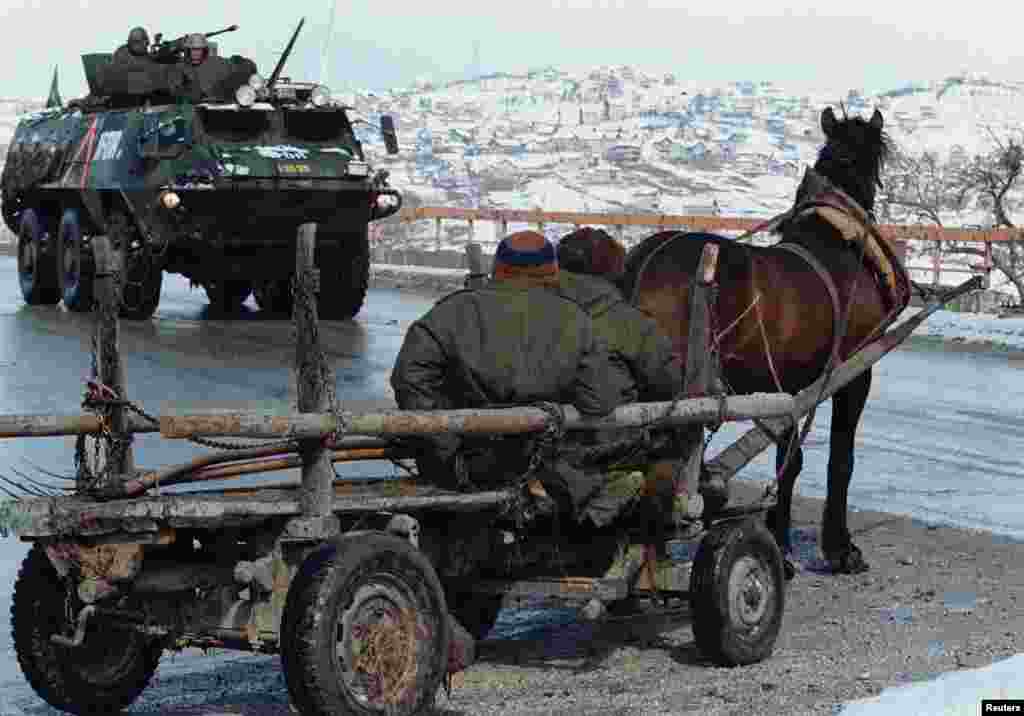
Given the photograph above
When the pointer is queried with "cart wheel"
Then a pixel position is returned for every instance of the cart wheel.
(737, 593)
(104, 675)
(365, 629)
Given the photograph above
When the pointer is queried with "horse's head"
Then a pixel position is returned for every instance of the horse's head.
(854, 155)
(592, 251)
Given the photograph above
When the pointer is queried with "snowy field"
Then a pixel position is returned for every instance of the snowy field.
(956, 694)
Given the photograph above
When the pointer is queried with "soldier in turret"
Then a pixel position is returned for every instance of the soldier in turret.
(136, 50)
(205, 73)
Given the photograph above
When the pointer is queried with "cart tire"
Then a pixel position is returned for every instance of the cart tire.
(104, 675)
(477, 613)
(737, 593)
(326, 627)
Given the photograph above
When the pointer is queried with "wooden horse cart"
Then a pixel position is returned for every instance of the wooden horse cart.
(359, 584)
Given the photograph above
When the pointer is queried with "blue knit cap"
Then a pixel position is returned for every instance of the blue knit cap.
(525, 253)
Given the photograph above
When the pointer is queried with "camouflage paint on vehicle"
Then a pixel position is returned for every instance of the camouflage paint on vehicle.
(214, 190)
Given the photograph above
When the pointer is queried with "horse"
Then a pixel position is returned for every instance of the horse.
(776, 315)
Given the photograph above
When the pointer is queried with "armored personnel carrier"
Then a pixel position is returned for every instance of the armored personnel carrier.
(209, 180)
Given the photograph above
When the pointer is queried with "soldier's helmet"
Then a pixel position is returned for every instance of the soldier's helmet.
(196, 41)
(197, 48)
(138, 41)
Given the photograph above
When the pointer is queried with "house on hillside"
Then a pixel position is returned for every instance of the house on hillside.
(696, 152)
(957, 155)
(623, 153)
(663, 147)
(616, 111)
(775, 125)
(591, 113)
(790, 152)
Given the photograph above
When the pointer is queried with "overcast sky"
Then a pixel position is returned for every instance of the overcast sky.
(865, 44)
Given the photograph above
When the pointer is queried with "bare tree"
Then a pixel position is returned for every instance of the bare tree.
(925, 189)
(992, 178)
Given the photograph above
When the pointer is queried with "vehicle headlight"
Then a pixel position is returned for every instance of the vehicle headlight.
(257, 82)
(169, 200)
(245, 96)
(320, 96)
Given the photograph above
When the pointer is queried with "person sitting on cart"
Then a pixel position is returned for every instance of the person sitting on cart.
(592, 263)
(511, 342)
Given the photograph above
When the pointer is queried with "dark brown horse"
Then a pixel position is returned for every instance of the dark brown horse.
(774, 302)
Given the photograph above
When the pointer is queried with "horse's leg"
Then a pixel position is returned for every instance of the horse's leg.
(847, 406)
(780, 518)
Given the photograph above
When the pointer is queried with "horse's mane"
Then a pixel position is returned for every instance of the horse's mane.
(854, 156)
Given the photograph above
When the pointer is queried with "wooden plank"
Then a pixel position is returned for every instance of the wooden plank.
(493, 421)
(315, 387)
(111, 274)
(560, 589)
(208, 509)
(700, 368)
(38, 426)
(476, 276)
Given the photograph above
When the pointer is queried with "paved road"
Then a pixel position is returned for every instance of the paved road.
(943, 438)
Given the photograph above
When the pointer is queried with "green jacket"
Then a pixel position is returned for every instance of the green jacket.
(503, 344)
(655, 371)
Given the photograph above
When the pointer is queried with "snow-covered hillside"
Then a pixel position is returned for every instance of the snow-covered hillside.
(619, 139)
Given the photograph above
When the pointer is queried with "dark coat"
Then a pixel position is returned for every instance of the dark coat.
(500, 345)
(656, 371)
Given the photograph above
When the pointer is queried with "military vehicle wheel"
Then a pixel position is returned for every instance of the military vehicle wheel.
(37, 264)
(275, 296)
(365, 629)
(144, 279)
(227, 296)
(77, 268)
(344, 275)
(103, 675)
(737, 593)
(141, 294)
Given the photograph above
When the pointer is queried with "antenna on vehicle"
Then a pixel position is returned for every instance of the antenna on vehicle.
(324, 58)
(284, 56)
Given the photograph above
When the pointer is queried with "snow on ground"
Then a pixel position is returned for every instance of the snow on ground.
(972, 328)
(953, 694)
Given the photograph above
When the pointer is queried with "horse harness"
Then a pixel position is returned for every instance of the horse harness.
(838, 316)
(848, 218)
